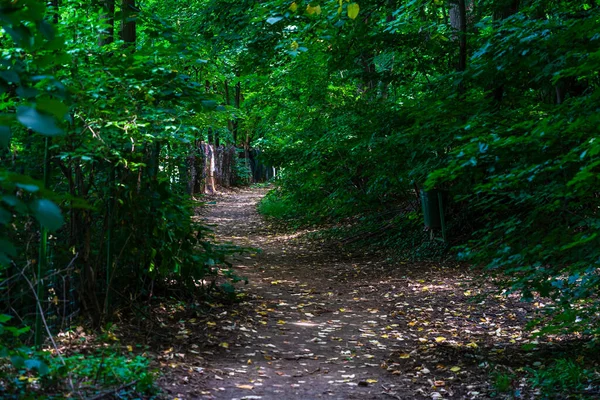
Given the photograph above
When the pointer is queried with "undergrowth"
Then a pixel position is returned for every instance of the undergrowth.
(562, 378)
(93, 366)
(397, 231)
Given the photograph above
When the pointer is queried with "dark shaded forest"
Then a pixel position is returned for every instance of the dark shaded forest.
(429, 136)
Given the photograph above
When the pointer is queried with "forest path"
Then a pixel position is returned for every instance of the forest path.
(316, 323)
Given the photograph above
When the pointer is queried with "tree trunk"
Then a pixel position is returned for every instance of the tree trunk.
(128, 28)
(238, 97)
(509, 9)
(54, 4)
(228, 103)
(458, 21)
(108, 17)
(462, 10)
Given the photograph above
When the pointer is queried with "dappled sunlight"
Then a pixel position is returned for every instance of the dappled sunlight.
(313, 319)
(305, 324)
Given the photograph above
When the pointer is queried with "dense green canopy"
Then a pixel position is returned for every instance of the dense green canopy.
(360, 105)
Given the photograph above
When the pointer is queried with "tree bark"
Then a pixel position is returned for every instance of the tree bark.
(54, 4)
(458, 21)
(462, 10)
(108, 17)
(238, 100)
(511, 7)
(128, 28)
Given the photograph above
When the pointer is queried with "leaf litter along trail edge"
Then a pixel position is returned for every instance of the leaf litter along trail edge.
(315, 322)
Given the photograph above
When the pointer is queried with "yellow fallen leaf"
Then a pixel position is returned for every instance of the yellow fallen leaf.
(210, 323)
(248, 387)
(281, 322)
(342, 310)
(224, 345)
(129, 348)
(440, 339)
(371, 381)
(404, 355)
(472, 345)
(455, 369)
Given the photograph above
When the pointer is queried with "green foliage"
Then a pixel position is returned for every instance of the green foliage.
(241, 172)
(29, 373)
(276, 206)
(376, 107)
(563, 376)
(502, 382)
(107, 368)
(96, 140)
(122, 123)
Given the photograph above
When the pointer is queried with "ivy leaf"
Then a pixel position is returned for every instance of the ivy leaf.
(47, 213)
(37, 121)
(353, 10)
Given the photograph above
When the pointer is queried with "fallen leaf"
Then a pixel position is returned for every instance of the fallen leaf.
(247, 387)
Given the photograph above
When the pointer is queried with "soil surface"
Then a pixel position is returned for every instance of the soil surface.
(317, 323)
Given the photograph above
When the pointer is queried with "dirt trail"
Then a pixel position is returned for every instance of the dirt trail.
(316, 323)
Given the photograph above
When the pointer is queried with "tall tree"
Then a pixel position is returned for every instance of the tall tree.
(107, 18)
(128, 27)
